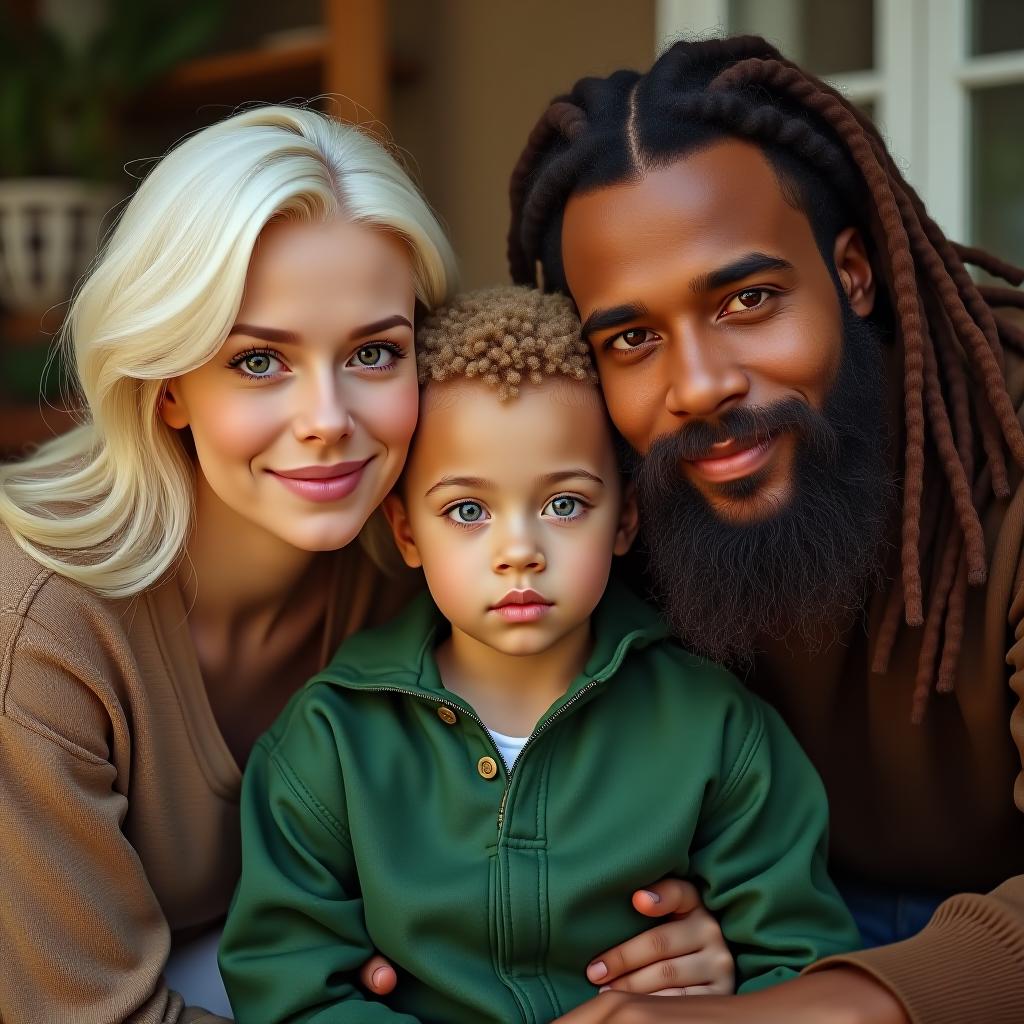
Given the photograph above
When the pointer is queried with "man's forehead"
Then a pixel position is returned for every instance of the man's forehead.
(702, 212)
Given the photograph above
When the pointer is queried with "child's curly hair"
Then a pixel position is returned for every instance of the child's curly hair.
(504, 336)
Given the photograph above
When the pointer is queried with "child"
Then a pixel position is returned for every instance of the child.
(475, 790)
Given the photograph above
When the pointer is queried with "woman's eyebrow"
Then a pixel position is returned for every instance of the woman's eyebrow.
(279, 334)
(379, 325)
(266, 333)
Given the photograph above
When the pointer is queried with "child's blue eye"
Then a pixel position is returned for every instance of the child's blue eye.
(565, 507)
(467, 513)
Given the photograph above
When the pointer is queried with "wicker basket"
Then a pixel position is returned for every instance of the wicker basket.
(49, 230)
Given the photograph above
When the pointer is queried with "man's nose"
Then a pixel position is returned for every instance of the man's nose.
(704, 378)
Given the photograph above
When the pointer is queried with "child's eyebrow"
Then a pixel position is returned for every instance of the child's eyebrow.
(569, 474)
(476, 482)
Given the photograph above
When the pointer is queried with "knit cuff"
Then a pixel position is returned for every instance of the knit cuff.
(966, 965)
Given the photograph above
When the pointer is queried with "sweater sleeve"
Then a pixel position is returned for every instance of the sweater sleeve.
(760, 856)
(968, 962)
(295, 936)
(82, 936)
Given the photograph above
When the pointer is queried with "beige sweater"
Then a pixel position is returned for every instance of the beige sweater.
(118, 794)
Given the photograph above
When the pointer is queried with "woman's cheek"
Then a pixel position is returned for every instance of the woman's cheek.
(238, 426)
(390, 413)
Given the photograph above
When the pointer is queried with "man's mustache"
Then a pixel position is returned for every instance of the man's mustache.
(749, 426)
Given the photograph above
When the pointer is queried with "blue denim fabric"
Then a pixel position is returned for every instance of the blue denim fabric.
(886, 915)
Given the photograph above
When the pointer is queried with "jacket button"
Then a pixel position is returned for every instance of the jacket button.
(446, 715)
(487, 767)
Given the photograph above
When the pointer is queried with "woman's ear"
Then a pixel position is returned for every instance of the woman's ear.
(394, 511)
(629, 521)
(854, 270)
(171, 408)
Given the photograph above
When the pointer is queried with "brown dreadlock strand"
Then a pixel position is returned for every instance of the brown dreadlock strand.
(953, 339)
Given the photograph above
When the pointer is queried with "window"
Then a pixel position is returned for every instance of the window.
(943, 79)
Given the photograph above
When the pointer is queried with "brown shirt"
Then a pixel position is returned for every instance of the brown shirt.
(938, 806)
(118, 794)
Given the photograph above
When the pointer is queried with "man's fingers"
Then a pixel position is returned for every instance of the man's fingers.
(378, 976)
(673, 939)
(669, 896)
(708, 971)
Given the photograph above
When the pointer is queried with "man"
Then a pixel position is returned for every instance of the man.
(822, 407)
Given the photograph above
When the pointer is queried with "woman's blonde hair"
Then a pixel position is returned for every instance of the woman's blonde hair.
(109, 504)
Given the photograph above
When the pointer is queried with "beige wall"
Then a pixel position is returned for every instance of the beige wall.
(487, 70)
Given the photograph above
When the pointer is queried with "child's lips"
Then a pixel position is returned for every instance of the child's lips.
(522, 612)
(522, 606)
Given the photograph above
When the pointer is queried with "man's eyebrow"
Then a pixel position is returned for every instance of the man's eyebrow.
(282, 336)
(751, 263)
(569, 474)
(476, 482)
(614, 316)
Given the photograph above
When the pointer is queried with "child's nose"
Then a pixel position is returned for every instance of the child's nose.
(520, 555)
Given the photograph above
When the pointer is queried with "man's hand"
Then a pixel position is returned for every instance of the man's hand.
(839, 996)
(685, 956)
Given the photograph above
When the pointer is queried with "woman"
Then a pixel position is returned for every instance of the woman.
(171, 568)
(175, 567)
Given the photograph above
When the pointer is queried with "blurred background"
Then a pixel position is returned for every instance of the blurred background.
(91, 91)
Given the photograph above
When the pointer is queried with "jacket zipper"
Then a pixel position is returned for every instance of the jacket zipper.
(541, 728)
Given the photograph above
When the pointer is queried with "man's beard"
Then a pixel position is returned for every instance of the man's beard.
(727, 586)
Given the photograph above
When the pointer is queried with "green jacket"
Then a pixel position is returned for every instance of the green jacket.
(368, 824)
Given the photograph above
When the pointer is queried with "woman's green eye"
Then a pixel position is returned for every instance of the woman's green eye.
(257, 364)
(370, 356)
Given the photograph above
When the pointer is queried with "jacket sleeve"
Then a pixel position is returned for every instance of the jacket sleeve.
(968, 962)
(82, 936)
(760, 855)
(295, 936)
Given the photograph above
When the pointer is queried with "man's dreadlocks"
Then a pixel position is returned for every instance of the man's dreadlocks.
(833, 164)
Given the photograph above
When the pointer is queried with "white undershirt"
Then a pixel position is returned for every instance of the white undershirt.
(510, 746)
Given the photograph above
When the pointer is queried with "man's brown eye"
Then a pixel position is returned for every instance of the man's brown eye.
(750, 298)
(630, 339)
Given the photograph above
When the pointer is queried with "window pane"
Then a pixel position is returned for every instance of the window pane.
(997, 179)
(827, 37)
(996, 26)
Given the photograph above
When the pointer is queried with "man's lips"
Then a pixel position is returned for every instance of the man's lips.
(733, 459)
(522, 606)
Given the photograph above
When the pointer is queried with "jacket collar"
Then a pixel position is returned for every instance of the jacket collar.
(399, 655)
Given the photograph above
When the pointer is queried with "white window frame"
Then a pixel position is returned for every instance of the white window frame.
(921, 85)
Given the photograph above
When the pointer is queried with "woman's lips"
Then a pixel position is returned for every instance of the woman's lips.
(734, 462)
(317, 487)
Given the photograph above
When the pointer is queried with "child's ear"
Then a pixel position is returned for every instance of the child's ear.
(629, 521)
(394, 511)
